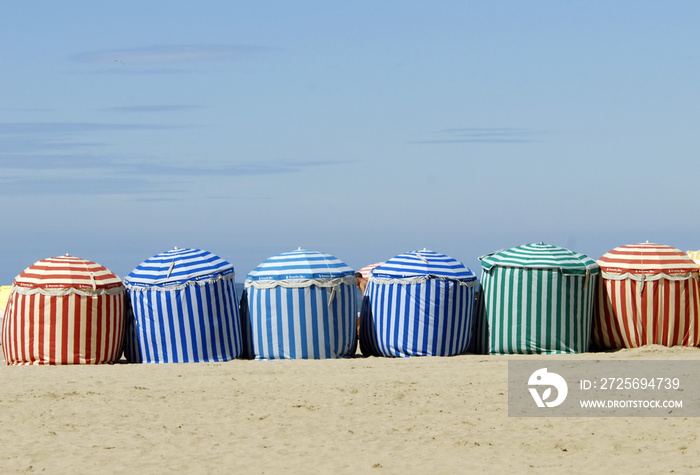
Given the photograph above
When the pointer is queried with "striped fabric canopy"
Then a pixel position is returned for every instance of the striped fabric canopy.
(367, 270)
(421, 265)
(419, 303)
(64, 310)
(647, 261)
(649, 295)
(300, 305)
(299, 268)
(541, 256)
(5, 291)
(183, 309)
(536, 298)
(67, 274)
(695, 256)
(177, 266)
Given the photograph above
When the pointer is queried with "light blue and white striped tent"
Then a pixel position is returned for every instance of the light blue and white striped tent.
(300, 305)
(183, 309)
(420, 303)
(536, 298)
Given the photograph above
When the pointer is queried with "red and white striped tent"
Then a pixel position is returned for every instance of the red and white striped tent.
(64, 310)
(649, 294)
(367, 270)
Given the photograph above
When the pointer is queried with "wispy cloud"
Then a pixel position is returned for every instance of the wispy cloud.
(20, 147)
(149, 167)
(137, 71)
(32, 128)
(153, 108)
(484, 135)
(22, 138)
(74, 158)
(236, 169)
(159, 55)
(93, 185)
(100, 175)
(54, 161)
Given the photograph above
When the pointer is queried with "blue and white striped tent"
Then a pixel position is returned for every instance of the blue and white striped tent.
(300, 305)
(420, 303)
(183, 309)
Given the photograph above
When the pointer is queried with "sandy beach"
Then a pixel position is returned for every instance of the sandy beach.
(360, 415)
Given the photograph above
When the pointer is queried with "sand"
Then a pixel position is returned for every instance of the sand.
(355, 416)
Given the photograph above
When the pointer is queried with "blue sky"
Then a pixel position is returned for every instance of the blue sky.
(364, 129)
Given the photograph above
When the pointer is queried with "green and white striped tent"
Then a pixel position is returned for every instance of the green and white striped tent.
(536, 298)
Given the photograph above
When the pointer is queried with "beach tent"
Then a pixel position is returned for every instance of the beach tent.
(535, 298)
(649, 294)
(419, 303)
(367, 270)
(5, 291)
(183, 308)
(365, 273)
(300, 304)
(64, 310)
(695, 256)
